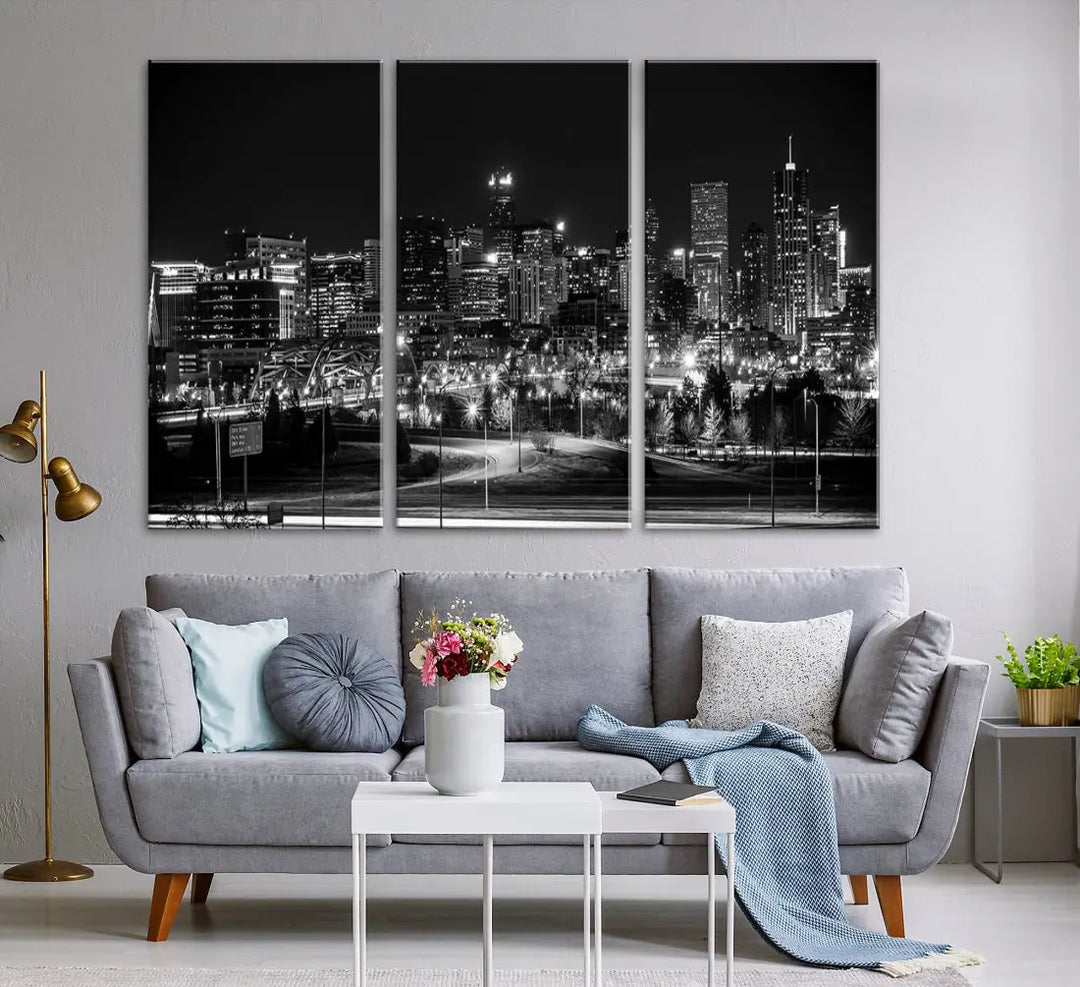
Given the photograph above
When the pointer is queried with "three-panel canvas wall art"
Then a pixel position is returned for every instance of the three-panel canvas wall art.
(531, 323)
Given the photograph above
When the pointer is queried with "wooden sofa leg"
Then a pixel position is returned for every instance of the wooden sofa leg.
(200, 887)
(891, 899)
(860, 891)
(168, 893)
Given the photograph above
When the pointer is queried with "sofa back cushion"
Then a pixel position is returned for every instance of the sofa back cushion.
(360, 605)
(586, 640)
(154, 683)
(679, 598)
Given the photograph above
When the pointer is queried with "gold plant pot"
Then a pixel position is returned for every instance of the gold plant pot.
(1072, 704)
(1045, 707)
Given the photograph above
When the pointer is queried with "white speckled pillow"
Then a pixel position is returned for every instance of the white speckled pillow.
(790, 673)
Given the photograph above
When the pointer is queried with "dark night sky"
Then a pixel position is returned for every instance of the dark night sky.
(731, 121)
(561, 128)
(277, 148)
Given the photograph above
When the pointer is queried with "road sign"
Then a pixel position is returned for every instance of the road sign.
(275, 513)
(245, 439)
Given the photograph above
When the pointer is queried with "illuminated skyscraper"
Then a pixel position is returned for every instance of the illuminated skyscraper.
(791, 247)
(754, 277)
(709, 247)
(464, 245)
(242, 249)
(422, 263)
(652, 260)
(373, 271)
(826, 247)
(480, 290)
(525, 281)
(336, 289)
(537, 240)
(620, 275)
(499, 236)
(676, 264)
(174, 300)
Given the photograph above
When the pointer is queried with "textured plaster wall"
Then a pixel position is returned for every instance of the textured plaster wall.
(980, 343)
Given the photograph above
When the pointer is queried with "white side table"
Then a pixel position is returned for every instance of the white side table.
(548, 808)
(623, 816)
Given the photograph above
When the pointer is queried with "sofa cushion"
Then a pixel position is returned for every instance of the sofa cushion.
(334, 694)
(586, 640)
(253, 798)
(154, 683)
(362, 605)
(876, 802)
(549, 761)
(679, 597)
(890, 692)
(788, 672)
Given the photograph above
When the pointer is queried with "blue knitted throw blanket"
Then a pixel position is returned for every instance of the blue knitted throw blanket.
(788, 878)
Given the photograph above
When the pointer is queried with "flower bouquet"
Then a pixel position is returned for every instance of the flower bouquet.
(456, 645)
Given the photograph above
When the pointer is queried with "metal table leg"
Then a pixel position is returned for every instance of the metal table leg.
(979, 865)
(730, 910)
(712, 907)
(359, 855)
(489, 866)
(1074, 785)
(586, 895)
(598, 911)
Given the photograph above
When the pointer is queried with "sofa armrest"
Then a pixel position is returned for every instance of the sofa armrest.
(109, 757)
(945, 752)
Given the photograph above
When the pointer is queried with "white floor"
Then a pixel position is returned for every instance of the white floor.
(1028, 928)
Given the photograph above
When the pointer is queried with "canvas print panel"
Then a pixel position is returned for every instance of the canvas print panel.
(264, 317)
(761, 398)
(513, 294)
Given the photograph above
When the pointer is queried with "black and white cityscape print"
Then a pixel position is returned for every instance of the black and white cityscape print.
(761, 374)
(513, 294)
(264, 322)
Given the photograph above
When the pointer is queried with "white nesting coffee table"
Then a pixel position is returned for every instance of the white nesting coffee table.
(549, 808)
(623, 816)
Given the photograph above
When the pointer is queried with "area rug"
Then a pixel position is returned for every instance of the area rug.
(76, 976)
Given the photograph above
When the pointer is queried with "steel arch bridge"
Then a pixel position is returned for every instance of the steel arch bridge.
(310, 366)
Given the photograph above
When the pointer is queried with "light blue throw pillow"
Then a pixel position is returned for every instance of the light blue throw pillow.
(228, 662)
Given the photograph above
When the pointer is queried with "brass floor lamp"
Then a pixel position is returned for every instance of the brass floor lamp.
(74, 500)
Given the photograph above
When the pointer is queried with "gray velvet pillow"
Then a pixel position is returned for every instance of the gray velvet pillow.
(894, 679)
(155, 684)
(334, 694)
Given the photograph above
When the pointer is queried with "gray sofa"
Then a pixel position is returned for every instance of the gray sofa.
(628, 640)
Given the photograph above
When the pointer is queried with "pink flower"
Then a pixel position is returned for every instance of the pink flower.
(427, 670)
(447, 643)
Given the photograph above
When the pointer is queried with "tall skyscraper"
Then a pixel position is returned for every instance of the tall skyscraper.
(242, 249)
(247, 304)
(709, 248)
(652, 260)
(336, 288)
(499, 236)
(422, 263)
(754, 277)
(373, 272)
(791, 247)
(676, 264)
(620, 275)
(525, 279)
(480, 290)
(464, 245)
(826, 247)
(537, 240)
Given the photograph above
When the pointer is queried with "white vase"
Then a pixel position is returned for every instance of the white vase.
(463, 737)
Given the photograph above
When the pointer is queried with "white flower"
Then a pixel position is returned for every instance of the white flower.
(507, 647)
(418, 654)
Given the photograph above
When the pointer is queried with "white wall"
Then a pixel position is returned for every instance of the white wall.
(980, 343)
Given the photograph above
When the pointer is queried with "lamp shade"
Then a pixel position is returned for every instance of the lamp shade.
(74, 500)
(17, 440)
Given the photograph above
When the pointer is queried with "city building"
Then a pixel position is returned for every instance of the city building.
(709, 247)
(620, 276)
(480, 290)
(676, 263)
(254, 304)
(242, 249)
(499, 235)
(422, 263)
(791, 247)
(173, 300)
(537, 240)
(525, 293)
(754, 277)
(373, 271)
(335, 292)
(464, 245)
(652, 261)
(826, 248)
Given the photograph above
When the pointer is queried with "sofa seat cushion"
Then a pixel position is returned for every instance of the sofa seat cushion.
(876, 801)
(548, 761)
(253, 798)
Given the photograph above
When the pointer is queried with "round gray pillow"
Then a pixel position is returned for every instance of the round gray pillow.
(334, 694)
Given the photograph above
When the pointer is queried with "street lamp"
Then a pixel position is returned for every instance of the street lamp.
(817, 454)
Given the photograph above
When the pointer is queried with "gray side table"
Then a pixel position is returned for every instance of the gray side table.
(1000, 728)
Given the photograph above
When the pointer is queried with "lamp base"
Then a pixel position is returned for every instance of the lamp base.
(48, 870)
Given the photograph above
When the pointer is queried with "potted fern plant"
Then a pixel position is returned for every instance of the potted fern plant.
(1046, 680)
